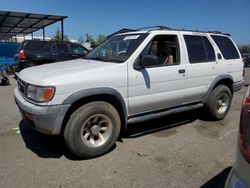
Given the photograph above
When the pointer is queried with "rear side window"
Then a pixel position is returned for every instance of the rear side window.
(199, 49)
(226, 47)
(47, 47)
(62, 47)
(209, 50)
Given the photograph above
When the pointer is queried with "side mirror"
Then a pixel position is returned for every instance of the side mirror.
(146, 61)
(149, 60)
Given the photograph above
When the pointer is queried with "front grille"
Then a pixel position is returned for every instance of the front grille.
(21, 85)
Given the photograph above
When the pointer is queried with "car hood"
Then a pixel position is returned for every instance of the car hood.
(52, 74)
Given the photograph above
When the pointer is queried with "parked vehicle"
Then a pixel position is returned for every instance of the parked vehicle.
(131, 76)
(34, 52)
(239, 175)
(246, 59)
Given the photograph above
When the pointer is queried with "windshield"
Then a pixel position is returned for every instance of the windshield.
(117, 48)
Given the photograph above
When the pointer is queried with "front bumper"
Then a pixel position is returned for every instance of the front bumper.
(46, 119)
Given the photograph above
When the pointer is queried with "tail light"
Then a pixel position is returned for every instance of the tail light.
(245, 127)
(22, 54)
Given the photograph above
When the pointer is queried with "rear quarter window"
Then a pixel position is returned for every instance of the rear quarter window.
(226, 47)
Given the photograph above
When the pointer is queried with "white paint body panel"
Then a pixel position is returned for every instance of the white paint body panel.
(143, 91)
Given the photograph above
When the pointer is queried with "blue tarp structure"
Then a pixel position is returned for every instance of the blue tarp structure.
(7, 53)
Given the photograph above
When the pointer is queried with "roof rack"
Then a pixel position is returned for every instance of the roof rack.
(153, 28)
(160, 27)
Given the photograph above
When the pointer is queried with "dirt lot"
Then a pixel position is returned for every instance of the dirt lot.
(184, 150)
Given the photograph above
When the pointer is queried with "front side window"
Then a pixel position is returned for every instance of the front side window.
(165, 48)
(226, 47)
(199, 49)
(117, 48)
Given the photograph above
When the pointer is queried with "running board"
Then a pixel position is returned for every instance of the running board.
(164, 113)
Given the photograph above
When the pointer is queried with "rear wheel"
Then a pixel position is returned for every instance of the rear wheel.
(219, 102)
(92, 130)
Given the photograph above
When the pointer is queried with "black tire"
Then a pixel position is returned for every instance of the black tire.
(5, 81)
(84, 133)
(219, 102)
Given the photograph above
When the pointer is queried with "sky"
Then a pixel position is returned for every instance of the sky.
(105, 17)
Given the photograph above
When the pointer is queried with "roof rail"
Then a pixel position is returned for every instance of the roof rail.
(218, 32)
(160, 27)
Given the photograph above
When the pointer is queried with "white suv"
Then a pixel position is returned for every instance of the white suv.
(131, 76)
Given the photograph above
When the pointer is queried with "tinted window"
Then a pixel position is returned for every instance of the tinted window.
(209, 50)
(226, 47)
(34, 45)
(62, 47)
(47, 46)
(78, 50)
(195, 48)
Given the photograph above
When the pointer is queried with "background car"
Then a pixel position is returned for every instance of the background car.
(246, 59)
(239, 176)
(34, 52)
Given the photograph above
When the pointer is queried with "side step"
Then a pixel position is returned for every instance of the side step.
(152, 115)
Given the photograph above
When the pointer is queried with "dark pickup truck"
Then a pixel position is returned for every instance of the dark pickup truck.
(33, 52)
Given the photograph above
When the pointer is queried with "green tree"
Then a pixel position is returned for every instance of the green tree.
(58, 36)
(90, 39)
(244, 49)
(80, 40)
(100, 39)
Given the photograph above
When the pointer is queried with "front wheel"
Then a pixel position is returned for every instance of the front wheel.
(92, 130)
(219, 102)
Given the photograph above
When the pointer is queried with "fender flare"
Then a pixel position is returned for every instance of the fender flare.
(99, 91)
(214, 82)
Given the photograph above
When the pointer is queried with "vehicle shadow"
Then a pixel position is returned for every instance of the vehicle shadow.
(165, 122)
(46, 146)
(219, 180)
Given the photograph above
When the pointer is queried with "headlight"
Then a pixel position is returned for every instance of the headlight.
(40, 94)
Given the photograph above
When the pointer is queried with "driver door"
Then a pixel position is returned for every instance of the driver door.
(158, 86)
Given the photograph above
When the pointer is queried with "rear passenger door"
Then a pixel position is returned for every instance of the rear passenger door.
(63, 52)
(201, 62)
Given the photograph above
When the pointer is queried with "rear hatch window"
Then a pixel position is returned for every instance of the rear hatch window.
(226, 47)
(34, 45)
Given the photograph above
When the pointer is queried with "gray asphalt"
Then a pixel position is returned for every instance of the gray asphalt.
(183, 150)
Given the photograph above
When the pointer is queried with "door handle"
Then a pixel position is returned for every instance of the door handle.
(181, 71)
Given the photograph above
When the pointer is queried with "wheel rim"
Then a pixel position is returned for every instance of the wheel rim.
(222, 103)
(96, 130)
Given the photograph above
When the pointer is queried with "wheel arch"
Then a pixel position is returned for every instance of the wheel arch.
(83, 97)
(226, 80)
